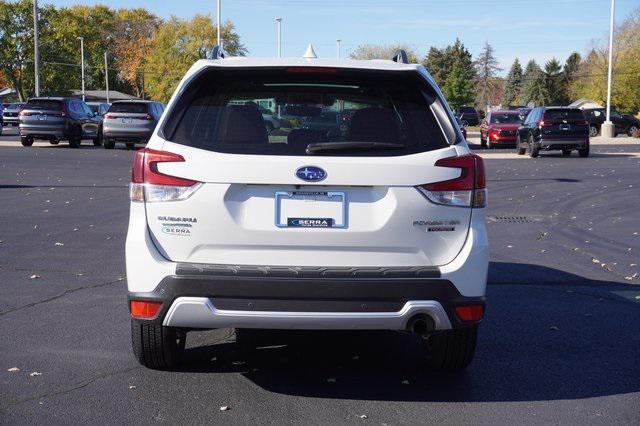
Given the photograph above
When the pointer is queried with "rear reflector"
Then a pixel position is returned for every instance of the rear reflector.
(469, 313)
(148, 184)
(144, 310)
(467, 190)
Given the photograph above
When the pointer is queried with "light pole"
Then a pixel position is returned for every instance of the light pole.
(608, 129)
(219, 33)
(338, 48)
(106, 74)
(82, 62)
(36, 48)
(279, 37)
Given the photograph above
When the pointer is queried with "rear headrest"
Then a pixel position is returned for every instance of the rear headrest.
(374, 125)
(242, 124)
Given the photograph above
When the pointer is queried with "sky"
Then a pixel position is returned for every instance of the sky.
(534, 29)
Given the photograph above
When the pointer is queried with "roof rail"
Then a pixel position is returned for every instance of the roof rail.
(400, 56)
(216, 53)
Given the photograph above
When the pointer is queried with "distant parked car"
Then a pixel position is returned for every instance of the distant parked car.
(468, 115)
(462, 128)
(499, 128)
(554, 128)
(130, 122)
(100, 108)
(11, 114)
(523, 113)
(624, 123)
(56, 119)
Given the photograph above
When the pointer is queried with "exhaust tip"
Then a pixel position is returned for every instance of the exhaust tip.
(421, 325)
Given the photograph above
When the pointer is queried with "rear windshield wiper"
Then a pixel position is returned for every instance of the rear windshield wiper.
(312, 148)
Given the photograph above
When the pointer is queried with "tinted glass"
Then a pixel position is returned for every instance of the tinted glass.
(44, 104)
(467, 109)
(130, 107)
(228, 111)
(498, 118)
(563, 114)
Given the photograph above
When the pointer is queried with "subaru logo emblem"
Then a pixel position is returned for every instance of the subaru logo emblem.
(311, 173)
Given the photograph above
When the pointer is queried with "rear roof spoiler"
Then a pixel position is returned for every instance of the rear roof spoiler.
(400, 56)
(216, 53)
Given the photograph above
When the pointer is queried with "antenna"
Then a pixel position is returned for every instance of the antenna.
(400, 56)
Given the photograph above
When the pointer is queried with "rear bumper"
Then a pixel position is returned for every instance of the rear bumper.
(127, 135)
(569, 143)
(44, 132)
(218, 296)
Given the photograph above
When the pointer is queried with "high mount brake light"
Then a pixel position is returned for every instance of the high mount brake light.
(467, 190)
(150, 185)
(311, 70)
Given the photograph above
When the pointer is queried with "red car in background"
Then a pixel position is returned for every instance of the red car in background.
(499, 128)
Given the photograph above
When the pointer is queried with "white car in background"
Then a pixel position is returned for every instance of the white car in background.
(378, 227)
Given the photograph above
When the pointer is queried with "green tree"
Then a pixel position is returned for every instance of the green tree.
(534, 90)
(554, 83)
(486, 67)
(458, 88)
(375, 51)
(440, 64)
(513, 85)
(176, 45)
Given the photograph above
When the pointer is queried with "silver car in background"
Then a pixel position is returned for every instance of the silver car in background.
(11, 114)
(130, 122)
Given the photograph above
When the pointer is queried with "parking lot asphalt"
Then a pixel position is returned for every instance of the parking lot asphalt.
(559, 343)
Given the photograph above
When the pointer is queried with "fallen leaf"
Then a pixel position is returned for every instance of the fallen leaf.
(225, 408)
(59, 244)
(132, 387)
(331, 380)
(35, 373)
(363, 416)
(34, 276)
(13, 369)
(554, 328)
(405, 382)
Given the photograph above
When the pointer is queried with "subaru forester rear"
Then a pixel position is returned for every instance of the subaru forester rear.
(376, 223)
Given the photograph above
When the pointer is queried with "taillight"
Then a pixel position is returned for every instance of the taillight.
(148, 184)
(24, 114)
(142, 309)
(147, 117)
(467, 190)
(582, 123)
(109, 116)
(469, 313)
(541, 123)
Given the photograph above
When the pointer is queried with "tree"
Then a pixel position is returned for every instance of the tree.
(486, 67)
(439, 62)
(375, 51)
(554, 83)
(513, 85)
(131, 43)
(458, 88)
(569, 73)
(176, 45)
(534, 89)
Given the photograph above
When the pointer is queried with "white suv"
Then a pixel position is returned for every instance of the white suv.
(372, 220)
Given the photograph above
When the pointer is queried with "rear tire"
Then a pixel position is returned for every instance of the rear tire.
(452, 350)
(98, 140)
(156, 346)
(632, 129)
(584, 152)
(566, 152)
(26, 140)
(519, 149)
(108, 143)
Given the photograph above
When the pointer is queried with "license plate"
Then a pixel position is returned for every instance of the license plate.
(310, 209)
(126, 120)
(42, 117)
(565, 127)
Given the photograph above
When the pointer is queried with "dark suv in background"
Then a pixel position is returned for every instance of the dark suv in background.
(468, 115)
(56, 119)
(130, 122)
(624, 123)
(554, 128)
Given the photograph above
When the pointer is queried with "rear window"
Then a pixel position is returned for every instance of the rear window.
(130, 107)
(505, 118)
(563, 114)
(284, 111)
(44, 104)
(467, 109)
